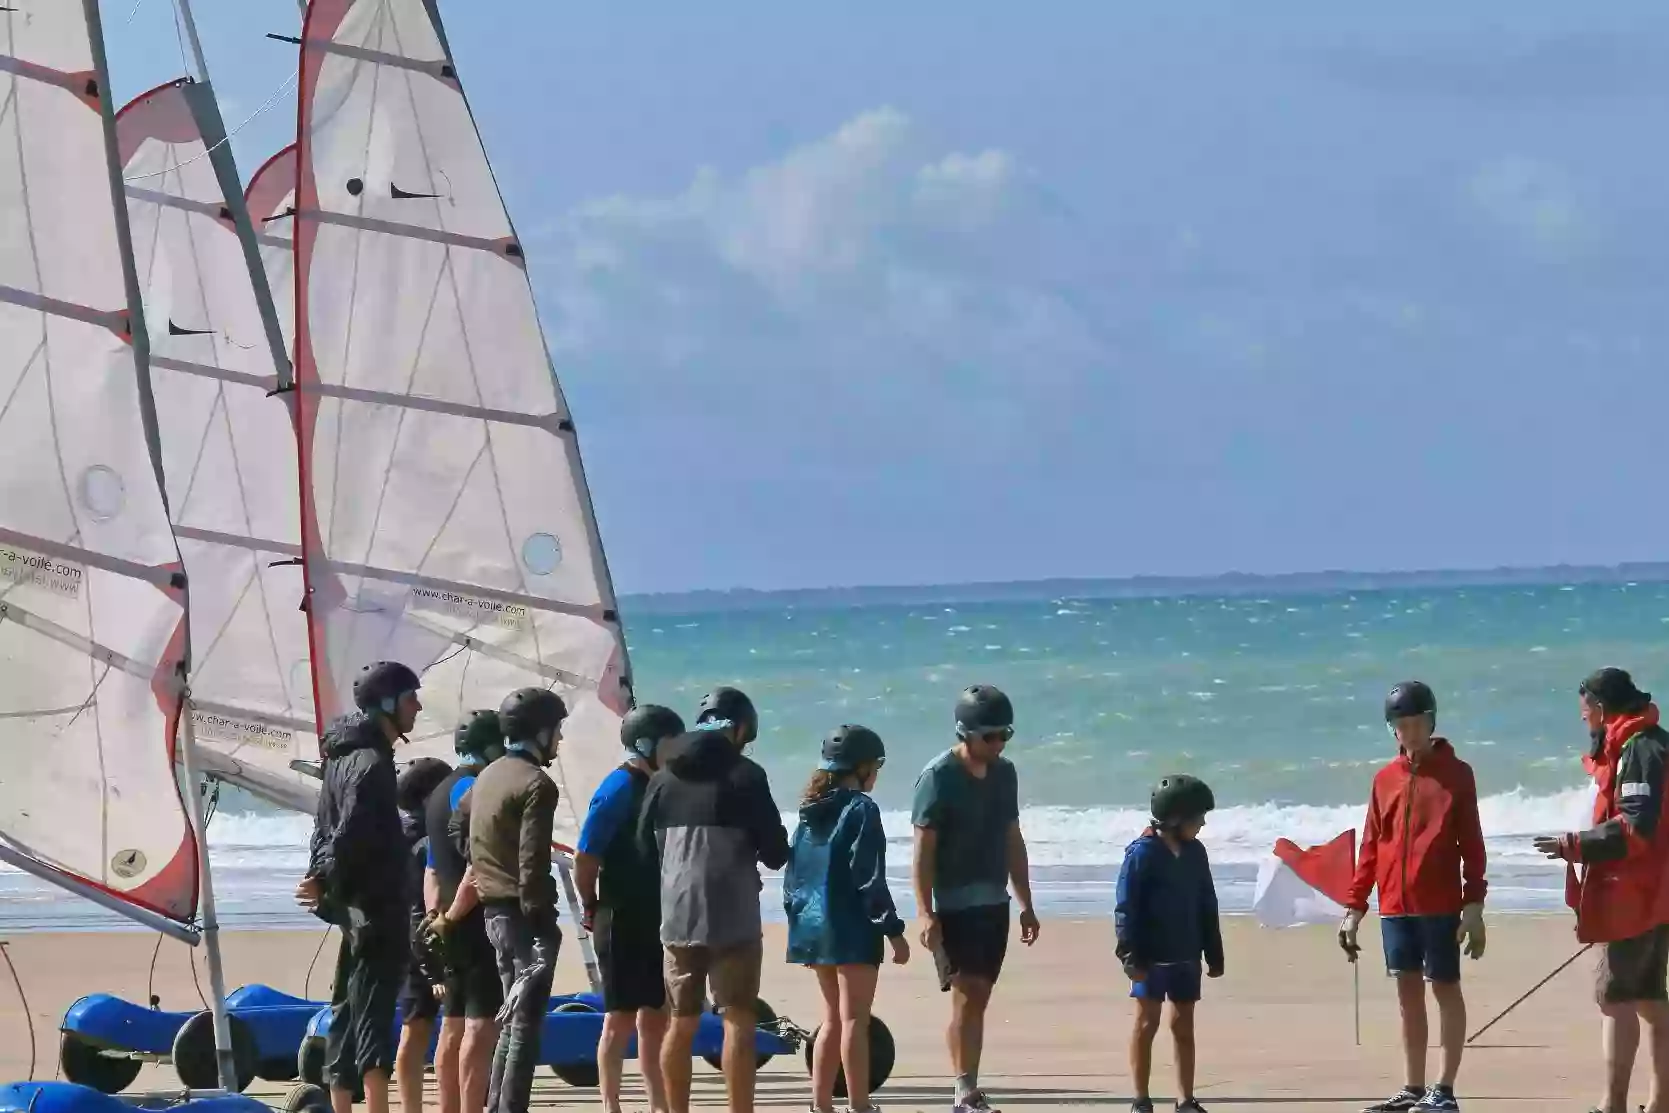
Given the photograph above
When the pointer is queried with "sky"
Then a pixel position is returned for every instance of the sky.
(877, 294)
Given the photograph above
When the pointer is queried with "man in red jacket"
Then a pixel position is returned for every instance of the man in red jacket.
(1423, 848)
(1620, 897)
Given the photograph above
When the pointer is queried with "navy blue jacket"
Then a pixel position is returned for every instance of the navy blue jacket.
(834, 887)
(1167, 906)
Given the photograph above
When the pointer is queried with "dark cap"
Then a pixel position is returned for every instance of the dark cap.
(850, 746)
(1614, 690)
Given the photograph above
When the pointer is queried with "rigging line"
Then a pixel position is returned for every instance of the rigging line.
(307, 983)
(207, 151)
(150, 979)
(132, 13)
(6, 954)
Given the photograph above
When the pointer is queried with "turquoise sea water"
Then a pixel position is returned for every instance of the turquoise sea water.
(1275, 700)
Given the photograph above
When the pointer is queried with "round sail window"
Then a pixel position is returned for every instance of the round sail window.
(542, 553)
(102, 492)
(128, 864)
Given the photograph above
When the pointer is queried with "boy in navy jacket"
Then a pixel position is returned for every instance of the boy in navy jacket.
(1166, 921)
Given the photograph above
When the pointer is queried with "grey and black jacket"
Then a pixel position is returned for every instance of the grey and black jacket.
(708, 821)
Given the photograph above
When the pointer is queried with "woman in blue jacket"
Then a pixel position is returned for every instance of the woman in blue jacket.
(839, 908)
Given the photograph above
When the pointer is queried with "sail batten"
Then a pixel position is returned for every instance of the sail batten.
(93, 615)
(447, 521)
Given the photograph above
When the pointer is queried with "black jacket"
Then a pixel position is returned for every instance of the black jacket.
(359, 850)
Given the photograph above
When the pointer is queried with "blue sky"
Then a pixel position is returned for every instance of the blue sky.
(882, 293)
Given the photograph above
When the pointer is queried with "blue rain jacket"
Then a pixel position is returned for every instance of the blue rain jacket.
(834, 888)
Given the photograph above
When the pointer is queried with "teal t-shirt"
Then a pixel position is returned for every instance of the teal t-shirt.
(971, 816)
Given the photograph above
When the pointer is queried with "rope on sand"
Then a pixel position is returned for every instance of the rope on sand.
(28, 1015)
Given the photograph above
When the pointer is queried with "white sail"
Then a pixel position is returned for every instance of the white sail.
(92, 595)
(228, 451)
(446, 517)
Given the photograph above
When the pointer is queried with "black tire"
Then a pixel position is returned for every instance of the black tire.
(310, 1066)
(276, 1070)
(763, 1015)
(307, 1098)
(883, 1054)
(82, 1064)
(583, 1076)
(193, 1054)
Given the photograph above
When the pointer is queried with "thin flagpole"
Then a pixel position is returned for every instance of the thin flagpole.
(1356, 993)
(1526, 994)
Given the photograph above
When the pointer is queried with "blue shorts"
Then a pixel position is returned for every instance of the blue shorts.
(1173, 982)
(1427, 944)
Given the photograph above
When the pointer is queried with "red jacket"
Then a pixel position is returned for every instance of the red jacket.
(1422, 844)
(1622, 890)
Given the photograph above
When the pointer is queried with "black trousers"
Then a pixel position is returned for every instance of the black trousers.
(526, 953)
(370, 968)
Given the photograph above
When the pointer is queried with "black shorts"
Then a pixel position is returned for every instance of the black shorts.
(630, 958)
(370, 971)
(1634, 969)
(974, 942)
(473, 989)
(417, 997)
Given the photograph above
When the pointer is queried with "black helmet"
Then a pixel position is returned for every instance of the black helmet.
(1614, 690)
(1179, 797)
(849, 746)
(417, 780)
(983, 708)
(527, 711)
(381, 683)
(645, 725)
(728, 703)
(1410, 698)
(479, 735)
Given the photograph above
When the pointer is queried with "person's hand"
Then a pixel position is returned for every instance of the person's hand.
(588, 919)
(1029, 927)
(1348, 928)
(1214, 971)
(439, 990)
(900, 949)
(309, 893)
(930, 935)
(1556, 846)
(1136, 974)
(1471, 933)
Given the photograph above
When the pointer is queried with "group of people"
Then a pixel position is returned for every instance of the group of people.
(439, 878)
(1423, 851)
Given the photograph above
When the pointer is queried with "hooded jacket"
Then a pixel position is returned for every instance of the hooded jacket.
(1422, 844)
(835, 886)
(1165, 910)
(358, 851)
(708, 822)
(1621, 892)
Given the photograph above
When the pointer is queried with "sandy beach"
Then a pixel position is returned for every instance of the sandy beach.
(1275, 1031)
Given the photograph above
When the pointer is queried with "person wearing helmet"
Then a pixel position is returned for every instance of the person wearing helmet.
(1622, 900)
(620, 893)
(969, 851)
(509, 815)
(471, 989)
(707, 823)
(355, 874)
(1166, 922)
(840, 911)
(419, 999)
(1423, 848)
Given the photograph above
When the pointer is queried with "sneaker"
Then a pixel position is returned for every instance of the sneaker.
(1406, 1098)
(1142, 1105)
(1192, 1105)
(974, 1103)
(1439, 1097)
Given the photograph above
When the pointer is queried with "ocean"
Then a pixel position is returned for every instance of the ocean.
(1274, 699)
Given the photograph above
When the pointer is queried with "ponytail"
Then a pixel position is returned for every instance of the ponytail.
(821, 782)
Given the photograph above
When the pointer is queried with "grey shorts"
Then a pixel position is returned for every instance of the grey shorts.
(1634, 969)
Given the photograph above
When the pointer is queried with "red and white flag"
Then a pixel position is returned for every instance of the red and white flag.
(1297, 886)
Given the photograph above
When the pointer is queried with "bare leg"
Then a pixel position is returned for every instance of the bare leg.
(968, 998)
(1622, 1040)
(857, 995)
(651, 1033)
(825, 1054)
(1451, 1028)
(1411, 1000)
(611, 1056)
(475, 1071)
(675, 1062)
(449, 1064)
(1182, 1034)
(1141, 1045)
(409, 1063)
(341, 1101)
(1656, 1016)
(741, 1058)
(376, 1091)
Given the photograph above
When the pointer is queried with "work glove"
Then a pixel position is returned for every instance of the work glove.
(1471, 934)
(1348, 928)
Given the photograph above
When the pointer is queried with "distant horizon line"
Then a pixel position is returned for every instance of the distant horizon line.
(1237, 583)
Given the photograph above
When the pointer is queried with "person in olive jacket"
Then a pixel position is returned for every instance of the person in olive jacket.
(840, 911)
